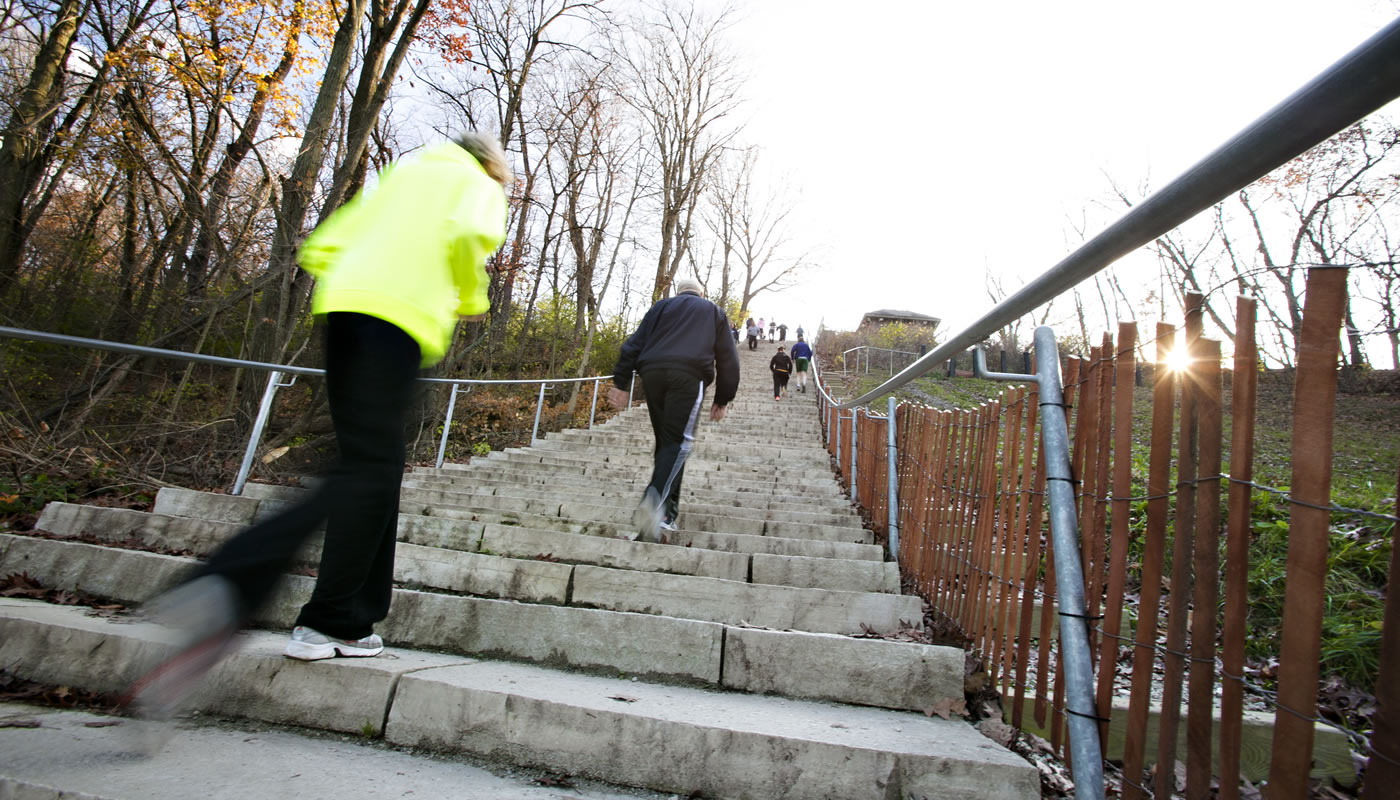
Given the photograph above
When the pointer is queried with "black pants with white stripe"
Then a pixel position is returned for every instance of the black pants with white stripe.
(673, 401)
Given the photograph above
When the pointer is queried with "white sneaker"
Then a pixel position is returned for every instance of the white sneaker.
(308, 644)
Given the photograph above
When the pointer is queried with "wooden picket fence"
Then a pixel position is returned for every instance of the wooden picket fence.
(974, 540)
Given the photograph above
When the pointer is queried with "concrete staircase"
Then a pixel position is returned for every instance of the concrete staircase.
(528, 629)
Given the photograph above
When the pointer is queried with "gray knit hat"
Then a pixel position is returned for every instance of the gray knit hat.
(691, 285)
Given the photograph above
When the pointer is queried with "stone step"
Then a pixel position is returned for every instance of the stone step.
(579, 494)
(178, 526)
(638, 449)
(776, 498)
(662, 737)
(724, 542)
(641, 465)
(83, 755)
(845, 669)
(733, 482)
(271, 498)
(539, 581)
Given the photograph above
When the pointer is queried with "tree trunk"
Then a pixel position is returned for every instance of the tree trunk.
(22, 148)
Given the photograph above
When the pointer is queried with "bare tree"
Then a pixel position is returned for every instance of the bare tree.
(507, 44)
(675, 71)
(753, 228)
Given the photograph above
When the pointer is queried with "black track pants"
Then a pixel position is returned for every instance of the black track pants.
(673, 401)
(371, 366)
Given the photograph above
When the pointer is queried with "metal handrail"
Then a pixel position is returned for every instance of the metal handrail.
(867, 348)
(274, 382)
(1360, 82)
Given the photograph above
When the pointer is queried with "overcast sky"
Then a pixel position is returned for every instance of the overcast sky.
(932, 141)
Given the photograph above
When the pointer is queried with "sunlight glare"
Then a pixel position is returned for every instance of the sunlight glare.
(1177, 359)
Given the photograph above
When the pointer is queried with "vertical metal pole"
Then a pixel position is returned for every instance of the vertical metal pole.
(539, 406)
(447, 425)
(854, 428)
(630, 387)
(891, 465)
(837, 438)
(593, 409)
(1069, 573)
(253, 438)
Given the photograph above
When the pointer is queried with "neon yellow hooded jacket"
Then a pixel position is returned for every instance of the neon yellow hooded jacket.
(412, 250)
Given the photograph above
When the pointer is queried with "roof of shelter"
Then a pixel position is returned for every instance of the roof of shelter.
(891, 313)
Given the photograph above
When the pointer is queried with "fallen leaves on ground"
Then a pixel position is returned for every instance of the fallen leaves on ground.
(19, 723)
(947, 708)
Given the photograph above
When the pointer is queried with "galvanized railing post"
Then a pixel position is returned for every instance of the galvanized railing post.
(891, 462)
(264, 409)
(631, 386)
(836, 447)
(593, 409)
(854, 428)
(446, 426)
(539, 406)
(1069, 572)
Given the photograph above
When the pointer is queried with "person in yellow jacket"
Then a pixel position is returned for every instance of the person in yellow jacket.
(396, 267)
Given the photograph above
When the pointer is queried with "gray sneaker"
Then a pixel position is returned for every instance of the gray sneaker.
(647, 517)
(200, 620)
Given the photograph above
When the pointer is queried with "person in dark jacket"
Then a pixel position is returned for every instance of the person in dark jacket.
(682, 345)
(801, 357)
(781, 367)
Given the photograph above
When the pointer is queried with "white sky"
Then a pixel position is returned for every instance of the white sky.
(931, 141)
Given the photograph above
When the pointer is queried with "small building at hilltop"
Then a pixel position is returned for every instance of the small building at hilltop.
(873, 320)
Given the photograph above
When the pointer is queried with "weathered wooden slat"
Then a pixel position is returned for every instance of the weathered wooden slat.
(1125, 362)
(1031, 563)
(1206, 564)
(1314, 396)
(1244, 381)
(1183, 534)
(1154, 546)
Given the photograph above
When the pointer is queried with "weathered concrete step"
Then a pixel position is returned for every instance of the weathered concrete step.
(875, 672)
(608, 441)
(669, 738)
(639, 451)
(81, 755)
(724, 542)
(621, 515)
(639, 463)
(546, 581)
(739, 480)
(852, 572)
(466, 490)
(688, 740)
(718, 519)
(776, 497)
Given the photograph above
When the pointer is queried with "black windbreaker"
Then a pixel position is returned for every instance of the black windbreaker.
(683, 332)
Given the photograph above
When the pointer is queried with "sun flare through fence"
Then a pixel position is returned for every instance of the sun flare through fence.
(1165, 543)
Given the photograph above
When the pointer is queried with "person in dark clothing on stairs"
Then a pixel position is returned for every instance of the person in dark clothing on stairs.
(781, 367)
(682, 345)
(801, 357)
